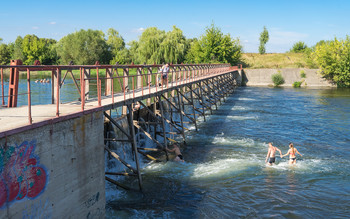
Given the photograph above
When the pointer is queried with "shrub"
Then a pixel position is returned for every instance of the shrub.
(297, 84)
(333, 57)
(300, 65)
(299, 47)
(302, 74)
(277, 79)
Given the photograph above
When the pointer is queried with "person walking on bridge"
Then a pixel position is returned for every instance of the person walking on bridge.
(271, 154)
(165, 71)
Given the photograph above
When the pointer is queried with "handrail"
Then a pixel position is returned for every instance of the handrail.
(117, 79)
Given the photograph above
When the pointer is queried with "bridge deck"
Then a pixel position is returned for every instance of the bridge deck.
(13, 120)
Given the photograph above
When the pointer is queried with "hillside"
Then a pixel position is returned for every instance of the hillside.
(276, 60)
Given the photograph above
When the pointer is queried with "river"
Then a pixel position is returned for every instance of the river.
(225, 175)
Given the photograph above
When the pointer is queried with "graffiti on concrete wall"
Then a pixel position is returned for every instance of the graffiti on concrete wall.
(21, 174)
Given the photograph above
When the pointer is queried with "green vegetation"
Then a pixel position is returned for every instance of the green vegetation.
(264, 37)
(302, 74)
(5, 54)
(299, 47)
(277, 79)
(274, 60)
(297, 84)
(85, 47)
(333, 58)
(214, 47)
(158, 46)
(117, 47)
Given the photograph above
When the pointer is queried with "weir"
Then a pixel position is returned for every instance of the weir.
(52, 155)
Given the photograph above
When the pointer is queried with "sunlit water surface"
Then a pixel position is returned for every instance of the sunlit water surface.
(225, 175)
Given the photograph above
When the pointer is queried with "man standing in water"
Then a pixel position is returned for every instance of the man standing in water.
(178, 154)
(271, 154)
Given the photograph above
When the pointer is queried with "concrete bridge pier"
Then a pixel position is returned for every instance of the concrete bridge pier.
(46, 168)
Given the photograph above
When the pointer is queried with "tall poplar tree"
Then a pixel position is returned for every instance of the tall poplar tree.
(264, 37)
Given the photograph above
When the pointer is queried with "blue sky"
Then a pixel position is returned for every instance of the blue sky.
(287, 21)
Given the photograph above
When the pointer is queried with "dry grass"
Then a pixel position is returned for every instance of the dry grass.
(275, 60)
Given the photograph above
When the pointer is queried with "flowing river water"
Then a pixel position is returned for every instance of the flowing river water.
(225, 175)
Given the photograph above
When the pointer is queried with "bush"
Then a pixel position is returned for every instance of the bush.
(333, 57)
(277, 79)
(299, 47)
(297, 84)
(302, 74)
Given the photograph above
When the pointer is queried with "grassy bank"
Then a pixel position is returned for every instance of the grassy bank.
(276, 60)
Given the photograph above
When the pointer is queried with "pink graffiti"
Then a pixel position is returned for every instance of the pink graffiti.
(21, 175)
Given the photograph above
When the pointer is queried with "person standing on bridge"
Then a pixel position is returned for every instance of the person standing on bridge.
(271, 154)
(165, 71)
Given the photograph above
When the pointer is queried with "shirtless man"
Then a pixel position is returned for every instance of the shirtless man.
(271, 154)
(178, 154)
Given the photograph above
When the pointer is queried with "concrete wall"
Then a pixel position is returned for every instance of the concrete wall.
(262, 77)
(54, 171)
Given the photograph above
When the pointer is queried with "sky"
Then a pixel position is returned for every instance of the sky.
(287, 21)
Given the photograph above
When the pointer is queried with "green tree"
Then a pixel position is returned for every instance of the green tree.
(116, 44)
(299, 47)
(194, 51)
(16, 49)
(148, 46)
(84, 47)
(333, 58)
(5, 55)
(213, 47)
(133, 51)
(35, 48)
(173, 47)
(264, 37)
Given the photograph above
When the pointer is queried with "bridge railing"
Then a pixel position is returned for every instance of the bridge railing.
(91, 80)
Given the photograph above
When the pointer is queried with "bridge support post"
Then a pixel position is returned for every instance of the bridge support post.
(56, 85)
(13, 84)
(193, 108)
(134, 144)
(149, 82)
(163, 127)
(109, 81)
(181, 117)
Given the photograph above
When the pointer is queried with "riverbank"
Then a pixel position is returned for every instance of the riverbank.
(262, 77)
(276, 60)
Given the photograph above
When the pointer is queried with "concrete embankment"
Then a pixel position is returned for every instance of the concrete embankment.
(262, 77)
(54, 171)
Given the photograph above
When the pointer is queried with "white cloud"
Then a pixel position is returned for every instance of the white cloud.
(138, 30)
(35, 28)
(52, 22)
